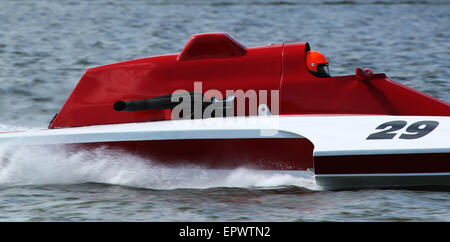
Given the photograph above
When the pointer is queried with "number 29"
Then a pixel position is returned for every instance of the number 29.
(413, 131)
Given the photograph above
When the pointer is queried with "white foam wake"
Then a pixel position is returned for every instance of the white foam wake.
(37, 165)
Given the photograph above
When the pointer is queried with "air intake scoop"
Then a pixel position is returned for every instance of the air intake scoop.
(211, 45)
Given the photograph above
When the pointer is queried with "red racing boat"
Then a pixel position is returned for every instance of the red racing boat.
(220, 105)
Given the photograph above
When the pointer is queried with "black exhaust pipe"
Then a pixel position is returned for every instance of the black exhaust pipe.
(165, 102)
(159, 103)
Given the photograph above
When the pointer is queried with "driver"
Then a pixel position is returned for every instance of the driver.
(317, 64)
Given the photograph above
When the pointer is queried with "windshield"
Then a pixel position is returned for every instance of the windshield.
(323, 70)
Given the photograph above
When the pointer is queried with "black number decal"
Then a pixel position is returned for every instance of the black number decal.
(414, 131)
(419, 129)
(388, 133)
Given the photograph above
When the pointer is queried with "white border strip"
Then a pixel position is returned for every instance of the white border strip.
(381, 152)
(99, 137)
(384, 174)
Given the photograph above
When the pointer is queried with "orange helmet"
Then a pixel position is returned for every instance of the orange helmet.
(317, 64)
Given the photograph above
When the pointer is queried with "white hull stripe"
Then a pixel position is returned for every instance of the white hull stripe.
(385, 175)
(381, 152)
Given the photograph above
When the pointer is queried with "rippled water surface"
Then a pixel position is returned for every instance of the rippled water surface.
(45, 47)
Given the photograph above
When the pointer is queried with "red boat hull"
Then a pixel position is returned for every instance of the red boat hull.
(382, 163)
(221, 63)
(261, 153)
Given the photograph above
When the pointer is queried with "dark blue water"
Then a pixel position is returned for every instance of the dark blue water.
(45, 47)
